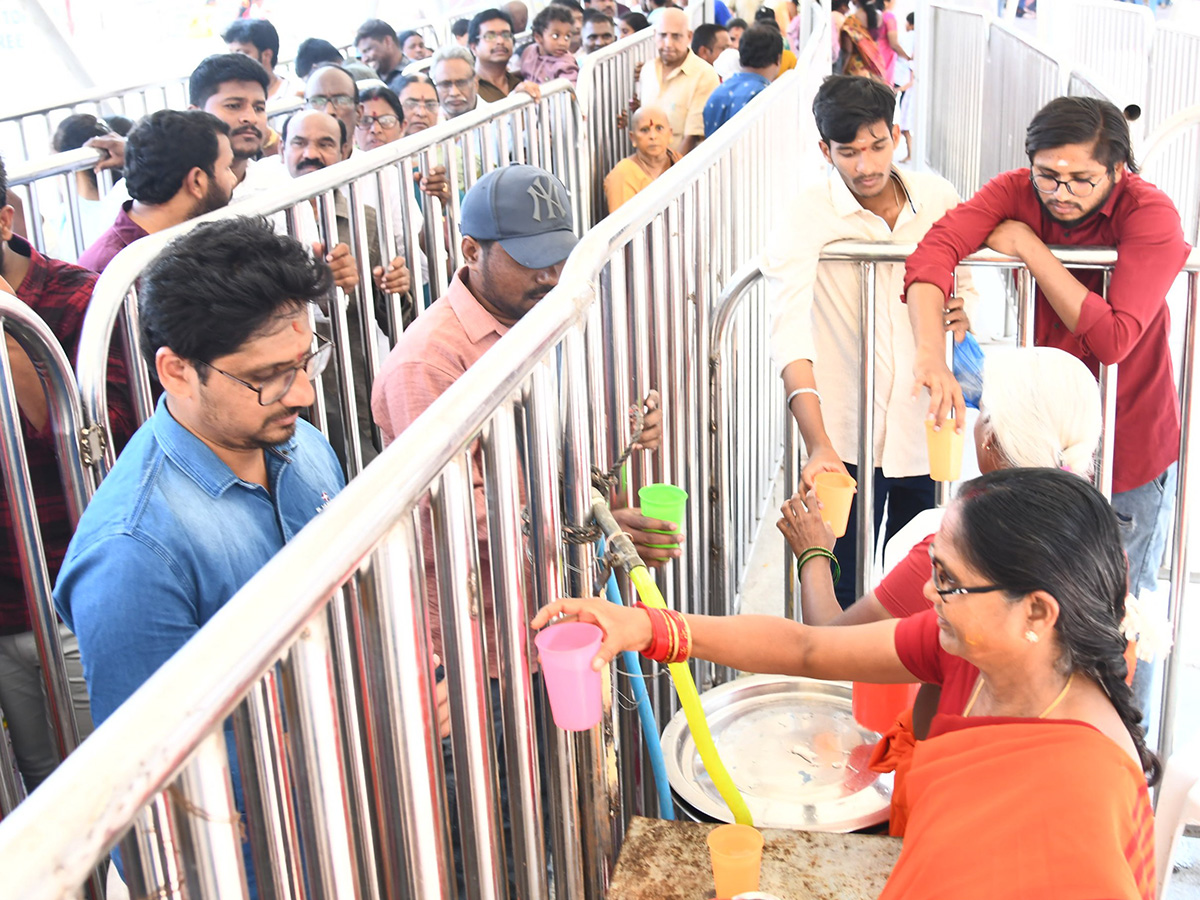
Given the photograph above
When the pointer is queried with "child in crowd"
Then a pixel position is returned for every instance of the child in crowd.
(549, 56)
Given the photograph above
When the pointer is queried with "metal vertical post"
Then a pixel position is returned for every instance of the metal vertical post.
(865, 501)
(1179, 542)
(208, 824)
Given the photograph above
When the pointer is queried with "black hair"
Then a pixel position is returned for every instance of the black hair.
(594, 15)
(872, 8)
(3, 185)
(573, 5)
(374, 28)
(486, 16)
(313, 51)
(460, 27)
(258, 32)
(1048, 530)
(741, 23)
(705, 36)
(911, 18)
(760, 47)
(552, 13)
(387, 95)
(839, 5)
(287, 123)
(635, 20)
(218, 286)
(75, 131)
(121, 125)
(219, 68)
(845, 103)
(353, 82)
(415, 78)
(165, 146)
(403, 36)
(1082, 120)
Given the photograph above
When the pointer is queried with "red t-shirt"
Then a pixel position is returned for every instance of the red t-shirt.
(1131, 327)
(902, 591)
(919, 649)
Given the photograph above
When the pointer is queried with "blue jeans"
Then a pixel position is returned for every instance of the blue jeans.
(905, 497)
(1144, 514)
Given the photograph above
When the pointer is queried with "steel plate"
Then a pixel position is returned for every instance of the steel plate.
(794, 751)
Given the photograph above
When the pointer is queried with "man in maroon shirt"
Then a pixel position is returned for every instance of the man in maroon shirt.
(1082, 189)
(178, 165)
(60, 294)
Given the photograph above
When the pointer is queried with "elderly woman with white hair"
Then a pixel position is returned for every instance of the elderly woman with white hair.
(1040, 408)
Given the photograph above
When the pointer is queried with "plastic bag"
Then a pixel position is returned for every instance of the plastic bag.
(968, 369)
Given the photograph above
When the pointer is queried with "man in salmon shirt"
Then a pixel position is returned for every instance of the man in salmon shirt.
(1081, 189)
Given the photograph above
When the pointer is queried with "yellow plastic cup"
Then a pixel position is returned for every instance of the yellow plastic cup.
(736, 852)
(836, 492)
(945, 451)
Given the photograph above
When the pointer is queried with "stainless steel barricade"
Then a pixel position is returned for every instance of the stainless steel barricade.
(33, 129)
(1175, 88)
(361, 202)
(332, 630)
(952, 79)
(606, 85)
(1021, 79)
(1109, 37)
(65, 420)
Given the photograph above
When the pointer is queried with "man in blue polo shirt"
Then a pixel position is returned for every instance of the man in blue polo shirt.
(760, 52)
(224, 472)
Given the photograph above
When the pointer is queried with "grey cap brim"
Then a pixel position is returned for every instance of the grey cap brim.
(538, 251)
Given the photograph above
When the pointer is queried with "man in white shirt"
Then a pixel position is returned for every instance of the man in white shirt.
(453, 74)
(815, 307)
(678, 81)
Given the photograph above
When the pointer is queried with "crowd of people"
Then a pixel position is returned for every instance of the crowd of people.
(1010, 603)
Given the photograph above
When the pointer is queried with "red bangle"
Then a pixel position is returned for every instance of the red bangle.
(659, 637)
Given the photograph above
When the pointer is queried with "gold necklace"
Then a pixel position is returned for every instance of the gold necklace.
(1045, 712)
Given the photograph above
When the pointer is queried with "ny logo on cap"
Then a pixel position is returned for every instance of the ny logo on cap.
(542, 191)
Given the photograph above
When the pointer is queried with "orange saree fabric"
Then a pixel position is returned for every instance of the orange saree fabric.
(893, 754)
(1024, 809)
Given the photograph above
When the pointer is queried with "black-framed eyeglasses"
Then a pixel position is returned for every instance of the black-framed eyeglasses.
(341, 101)
(1076, 187)
(956, 591)
(275, 388)
(387, 121)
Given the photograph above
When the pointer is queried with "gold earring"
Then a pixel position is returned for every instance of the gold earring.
(1031, 636)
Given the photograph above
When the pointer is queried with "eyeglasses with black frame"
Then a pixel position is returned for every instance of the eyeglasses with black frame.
(1076, 187)
(957, 591)
(275, 388)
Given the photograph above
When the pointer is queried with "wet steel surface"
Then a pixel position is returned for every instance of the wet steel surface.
(663, 860)
(793, 749)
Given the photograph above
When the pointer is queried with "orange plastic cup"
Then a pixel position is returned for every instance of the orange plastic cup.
(945, 451)
(736, 852)
(875, 706)
(836, 492)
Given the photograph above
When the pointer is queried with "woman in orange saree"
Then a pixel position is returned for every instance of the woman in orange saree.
(1033, 781)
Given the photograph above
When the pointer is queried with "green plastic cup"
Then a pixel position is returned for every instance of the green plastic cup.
(666, 502)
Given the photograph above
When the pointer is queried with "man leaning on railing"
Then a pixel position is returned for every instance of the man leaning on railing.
(1081, 189)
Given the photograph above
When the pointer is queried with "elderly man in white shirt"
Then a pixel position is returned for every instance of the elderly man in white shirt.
(815, 307)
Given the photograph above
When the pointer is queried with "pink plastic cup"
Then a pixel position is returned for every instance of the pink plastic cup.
(567, 651)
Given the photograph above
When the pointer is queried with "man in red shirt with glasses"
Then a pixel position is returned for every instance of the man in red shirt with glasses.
(1081, 189)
